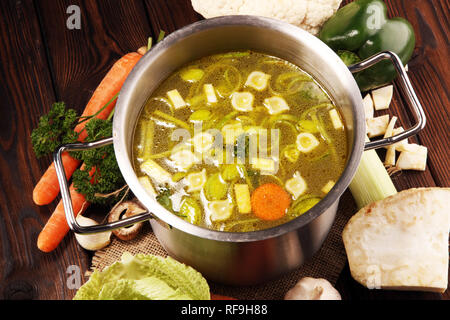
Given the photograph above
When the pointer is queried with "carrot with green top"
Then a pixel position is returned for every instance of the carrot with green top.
(100, 106)
(270, 202)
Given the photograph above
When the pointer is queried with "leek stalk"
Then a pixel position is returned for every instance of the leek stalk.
(371, 181)
(149, 136)
(174, 120)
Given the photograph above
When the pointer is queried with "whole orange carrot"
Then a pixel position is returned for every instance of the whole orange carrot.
(47, 188)
(100, 105)
(107, 89)
(56, 227)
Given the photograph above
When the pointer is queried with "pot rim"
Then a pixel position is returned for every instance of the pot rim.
(125, 163)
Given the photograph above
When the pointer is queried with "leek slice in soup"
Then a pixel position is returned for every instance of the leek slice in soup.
(222, 137)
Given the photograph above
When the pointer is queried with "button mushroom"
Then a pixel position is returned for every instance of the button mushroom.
(124, 210)
(313, 289)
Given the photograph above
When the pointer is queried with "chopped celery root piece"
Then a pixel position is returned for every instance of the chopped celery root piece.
(231, 131)
(368, 106)
(413, 160)
(371, 181)
(210, 93)
(192, 75)
(411, 147)
(242, 194)
(399, 146)
(327, 188)
(403, 146)
(306, 142)
(390, 128)
(220, 210)
(191, 211)
(276, 105)
(382, 97)
(257, 80)
(147, 184)
(215, 188)
(176, 99)
(390, 156)
(200, 115)
(377, 126)
(263, 164)
(296, 185)
(195, 181)
(203, 142)
(336, 119)
(390, 153)
(156, 172)
(183, 159)
(242, 101)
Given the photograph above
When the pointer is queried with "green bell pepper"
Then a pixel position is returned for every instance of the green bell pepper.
(362, 29)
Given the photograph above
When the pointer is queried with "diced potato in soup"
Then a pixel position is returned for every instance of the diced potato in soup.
(230, 133)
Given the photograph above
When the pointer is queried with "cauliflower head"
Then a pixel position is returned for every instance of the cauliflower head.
(309, 15)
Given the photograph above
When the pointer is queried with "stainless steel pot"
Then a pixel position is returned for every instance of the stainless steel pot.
(252, 257)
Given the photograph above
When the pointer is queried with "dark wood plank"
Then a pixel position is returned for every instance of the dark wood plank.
(81, 58)
(26, 92)
(43, 61)
(427, 72)
(170, 15)
(78, 60)
(431, 86)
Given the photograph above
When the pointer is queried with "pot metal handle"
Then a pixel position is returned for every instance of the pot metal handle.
(408, 92)
(67, 200)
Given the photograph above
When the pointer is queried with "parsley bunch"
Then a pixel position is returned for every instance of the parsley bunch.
(106, 176)
(100, 176)
(54, 129)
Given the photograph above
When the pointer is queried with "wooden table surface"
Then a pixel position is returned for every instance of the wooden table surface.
(41, 61)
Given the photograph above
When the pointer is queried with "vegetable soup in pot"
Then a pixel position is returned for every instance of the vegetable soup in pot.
(239, 142)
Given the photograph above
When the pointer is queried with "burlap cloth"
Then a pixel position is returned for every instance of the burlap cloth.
(327, 263)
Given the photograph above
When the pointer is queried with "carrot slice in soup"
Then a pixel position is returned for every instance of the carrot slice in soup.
(270, 202)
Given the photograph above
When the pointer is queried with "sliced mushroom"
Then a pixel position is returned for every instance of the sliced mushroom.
(125, 210)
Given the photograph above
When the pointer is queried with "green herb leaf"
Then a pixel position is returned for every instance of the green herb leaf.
(164, 198)
(54, 129)
(101, 162)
